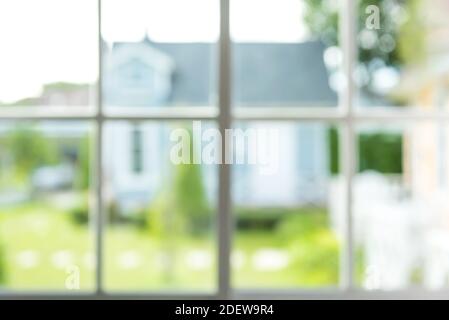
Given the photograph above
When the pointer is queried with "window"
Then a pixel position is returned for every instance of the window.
(90, 199)
(137, 153)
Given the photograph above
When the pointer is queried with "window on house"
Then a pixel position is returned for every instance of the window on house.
(136, 150)
(353, 200)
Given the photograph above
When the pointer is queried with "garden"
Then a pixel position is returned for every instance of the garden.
(40, 242)
(171, 244)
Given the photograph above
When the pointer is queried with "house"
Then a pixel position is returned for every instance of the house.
(149, 74)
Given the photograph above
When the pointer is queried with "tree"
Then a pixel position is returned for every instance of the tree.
(180, 208)
(190, 197)
(29, 149)
(400, 40)
(186, 196)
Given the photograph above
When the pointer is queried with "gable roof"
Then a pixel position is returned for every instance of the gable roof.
(277, 74)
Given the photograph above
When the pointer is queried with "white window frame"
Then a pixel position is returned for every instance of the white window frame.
(346, 117)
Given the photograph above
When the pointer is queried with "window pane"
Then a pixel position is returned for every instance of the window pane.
(48, 57)
(45, 234)
(283, 195)
(160, 233)
(403, 48)
(159, 53)
(401, 215)
(285, 53)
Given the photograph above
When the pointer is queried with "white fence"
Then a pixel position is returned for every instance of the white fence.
(402, 238)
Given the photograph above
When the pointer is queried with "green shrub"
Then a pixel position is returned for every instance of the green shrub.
(334, 147)
(113, 214)
(80, 212)
(182, 206)
(2, 266)
(303, 222)
(381, 152)
(313, 246)
(162, 219)
(30, 149)
(259, 218)
(189, 197)
(83, 173)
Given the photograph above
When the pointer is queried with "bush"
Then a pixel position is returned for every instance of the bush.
(189, 197)
(83, 173)
(259, 218)
(183, 205)
(113, 212)
(30, 149)
(2, 266)
(334, 146)
(312, 245)
(80, 213)
(303, 222)
(381, 152)
(162, 219)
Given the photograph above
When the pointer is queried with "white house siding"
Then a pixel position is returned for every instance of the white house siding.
(302, 175)
(129, 188)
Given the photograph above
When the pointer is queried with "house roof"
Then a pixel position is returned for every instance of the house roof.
(278, 74)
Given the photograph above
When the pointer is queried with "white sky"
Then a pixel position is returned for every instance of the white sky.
(44, 41)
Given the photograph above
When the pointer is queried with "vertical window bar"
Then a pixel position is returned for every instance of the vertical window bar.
(224, 223)
(348, 156)
(97, 168)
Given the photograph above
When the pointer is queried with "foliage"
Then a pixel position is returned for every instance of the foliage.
(47, 88)
(189, 197)
(163, 220)
(30, 149)
(265, 218)
(302, 222)
(334, 147)
(381, 152)
(80, 213)
(313, 247)
(2, 265)
(182, 206)
(399, 41)
(303, 233)
(65, 86)
(83, 174)
(412, 41)
(322, 19)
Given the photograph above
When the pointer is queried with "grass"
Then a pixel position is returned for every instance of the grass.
(304, 236)
(39, 242)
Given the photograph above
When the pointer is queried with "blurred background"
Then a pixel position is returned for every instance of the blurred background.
(161, 218)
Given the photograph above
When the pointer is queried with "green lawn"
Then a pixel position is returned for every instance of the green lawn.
(39, 242)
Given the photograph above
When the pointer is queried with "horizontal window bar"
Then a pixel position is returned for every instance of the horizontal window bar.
(323, 294)
(287, 113)
(169, 113)
(391, 114)
(349, 294)
(212, 113)
(73, 295)
(45, 112)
